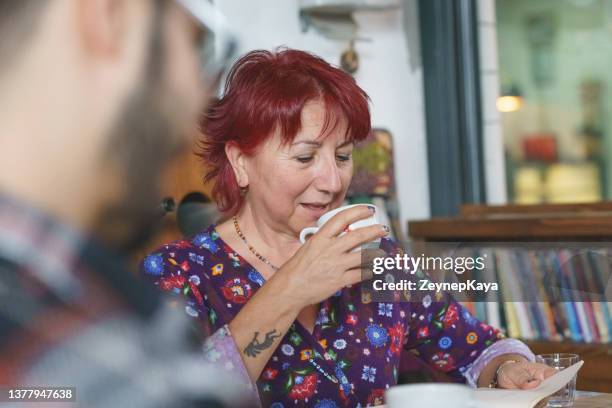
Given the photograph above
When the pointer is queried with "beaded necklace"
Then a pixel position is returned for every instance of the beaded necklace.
(251, 249)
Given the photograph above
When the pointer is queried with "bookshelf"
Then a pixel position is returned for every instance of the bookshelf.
(554, 223)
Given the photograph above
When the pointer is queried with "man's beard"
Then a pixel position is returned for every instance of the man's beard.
(144, 140)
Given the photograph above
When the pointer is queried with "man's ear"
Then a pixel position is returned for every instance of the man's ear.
(238, 161)
(102, 23)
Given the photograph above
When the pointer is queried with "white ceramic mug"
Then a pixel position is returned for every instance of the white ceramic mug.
(365, 222)
(430, 395)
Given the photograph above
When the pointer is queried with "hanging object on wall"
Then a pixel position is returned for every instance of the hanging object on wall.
(334, 19)
(349, 60)
(335, 26)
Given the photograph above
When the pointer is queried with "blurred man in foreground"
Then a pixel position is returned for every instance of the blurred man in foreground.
(95, 96)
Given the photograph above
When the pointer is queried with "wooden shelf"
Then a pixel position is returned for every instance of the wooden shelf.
(520, 222)
(480, 210)
(525, 227)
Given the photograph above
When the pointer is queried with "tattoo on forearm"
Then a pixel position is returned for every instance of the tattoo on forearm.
(255, 347)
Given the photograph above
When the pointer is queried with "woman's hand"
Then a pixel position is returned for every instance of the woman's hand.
(522, 375)
(325, 263)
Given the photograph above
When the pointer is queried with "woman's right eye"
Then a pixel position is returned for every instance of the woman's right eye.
(304, 159)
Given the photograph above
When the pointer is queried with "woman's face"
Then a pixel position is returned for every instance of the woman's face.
(292, 185)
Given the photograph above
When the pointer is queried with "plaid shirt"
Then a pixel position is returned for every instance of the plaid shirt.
(72, 315)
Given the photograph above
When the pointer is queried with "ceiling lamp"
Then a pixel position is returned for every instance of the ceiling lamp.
(510, 99)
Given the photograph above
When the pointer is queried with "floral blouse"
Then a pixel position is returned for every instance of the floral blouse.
(357, 348)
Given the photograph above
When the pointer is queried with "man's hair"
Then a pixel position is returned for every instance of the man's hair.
(18, 22)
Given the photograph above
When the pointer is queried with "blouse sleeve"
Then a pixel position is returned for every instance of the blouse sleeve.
(446, 336)
(221, 351)
(503, 346)
(167, 269)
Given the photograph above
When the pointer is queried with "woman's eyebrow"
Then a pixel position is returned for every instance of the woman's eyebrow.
(308, 142)
(318, 144)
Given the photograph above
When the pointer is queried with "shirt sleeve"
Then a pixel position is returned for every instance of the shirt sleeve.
(221, 350)
(504, 346)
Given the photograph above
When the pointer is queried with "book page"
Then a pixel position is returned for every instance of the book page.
(501, 398)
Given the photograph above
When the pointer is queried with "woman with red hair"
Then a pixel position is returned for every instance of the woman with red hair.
(278, 145)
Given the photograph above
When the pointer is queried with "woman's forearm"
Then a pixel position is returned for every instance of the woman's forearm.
(262, 323)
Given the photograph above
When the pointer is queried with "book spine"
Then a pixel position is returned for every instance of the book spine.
(529, 295)
(522, 312)
(582, 308)
(544, 305)
(493, 299)
(597, 274)
(600, 314)
(585, 287)
(549, 261)
(509, 312)
(570, 312)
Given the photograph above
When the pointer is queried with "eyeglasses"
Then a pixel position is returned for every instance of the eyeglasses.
(218, 44)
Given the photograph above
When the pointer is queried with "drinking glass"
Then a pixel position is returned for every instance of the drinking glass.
(565, 396)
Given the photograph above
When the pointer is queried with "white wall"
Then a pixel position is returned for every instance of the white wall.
(389, 73)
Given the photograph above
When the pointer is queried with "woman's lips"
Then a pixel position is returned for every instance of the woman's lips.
(317, 210)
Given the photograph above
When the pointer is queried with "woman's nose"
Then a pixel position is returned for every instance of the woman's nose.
(329, 180)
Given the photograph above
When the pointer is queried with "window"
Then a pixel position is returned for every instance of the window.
(555, 74)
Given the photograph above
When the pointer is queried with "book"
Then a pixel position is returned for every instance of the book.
(570, 311)
(503, 398)
(526, 321)
(529, 296)
(584, 286)
(573, 291)
(511, 320)
(549, 274)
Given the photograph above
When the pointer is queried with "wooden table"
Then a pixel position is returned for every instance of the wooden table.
(592, 400)
(583, 399)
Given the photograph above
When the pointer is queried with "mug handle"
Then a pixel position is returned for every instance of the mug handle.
(307, 231)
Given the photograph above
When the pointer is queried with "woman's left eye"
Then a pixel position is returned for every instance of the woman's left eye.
(343, 157)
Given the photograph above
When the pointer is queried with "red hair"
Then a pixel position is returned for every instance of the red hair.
(266, 91)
